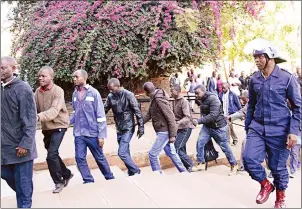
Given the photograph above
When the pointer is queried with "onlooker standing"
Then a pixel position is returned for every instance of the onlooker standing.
(191, 94)
(90, 128)
(234, 83)
(18, 130)
(181, 110)
(241, 115)
(212, 83)
(175, 80)
(199, 80)
(124, 106)
(54, 118)
(243, 81)
(164, 124)
(214, 125)
(230, 104)
(219, 84)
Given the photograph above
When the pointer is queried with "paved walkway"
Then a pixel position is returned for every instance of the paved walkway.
(139, 147)
(208, 189)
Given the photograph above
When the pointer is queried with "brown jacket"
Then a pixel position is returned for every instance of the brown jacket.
(51, 108)
(182, 112)
(161, 114)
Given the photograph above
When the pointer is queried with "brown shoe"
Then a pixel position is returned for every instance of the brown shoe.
(280, 199)
(266, 189)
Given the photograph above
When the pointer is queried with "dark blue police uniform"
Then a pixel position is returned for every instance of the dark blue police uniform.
(268, 123)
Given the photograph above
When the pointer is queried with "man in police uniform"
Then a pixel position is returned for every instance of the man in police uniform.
(271, 127)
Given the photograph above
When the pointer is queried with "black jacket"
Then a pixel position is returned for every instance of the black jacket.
(18, 122)
(124, 106)
(211, 111)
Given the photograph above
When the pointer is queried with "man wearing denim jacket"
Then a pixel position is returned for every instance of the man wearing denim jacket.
(90, 127)
(164, 124)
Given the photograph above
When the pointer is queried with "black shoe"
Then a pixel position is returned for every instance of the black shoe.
(235, 142)
(133, 174)
(66, 181)
(58, 188)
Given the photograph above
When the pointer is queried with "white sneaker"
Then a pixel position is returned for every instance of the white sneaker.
(292, 175)
(234, 170)
(199, 167)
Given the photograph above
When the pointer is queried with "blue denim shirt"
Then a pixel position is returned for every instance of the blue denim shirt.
(268, 112)
(89, 117)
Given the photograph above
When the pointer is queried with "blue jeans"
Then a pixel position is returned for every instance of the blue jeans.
(52, 141)
(123, 140)
(81, 144)
(20, 178)
(294, 158)
(257, 148)
(182, 138)
(220, 135)
(162, 142)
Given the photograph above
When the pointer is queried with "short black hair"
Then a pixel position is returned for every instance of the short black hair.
(114, 81)
(201, 87)
(176, 87)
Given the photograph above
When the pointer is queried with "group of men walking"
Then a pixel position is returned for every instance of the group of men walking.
(268, 134)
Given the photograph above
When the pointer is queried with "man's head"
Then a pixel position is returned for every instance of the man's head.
(114, 85)
(232, 74)
(149, 89)
(200, 91)
(199, 75)
(80, 77)
(214, 74)
(225, 87)
(176, 75)
(175, 91)
(242, 73)
(244, 96)
(8, 67)
(45, 76)
(219, 76)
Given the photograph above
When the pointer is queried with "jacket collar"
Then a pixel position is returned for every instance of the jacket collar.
(275, 73)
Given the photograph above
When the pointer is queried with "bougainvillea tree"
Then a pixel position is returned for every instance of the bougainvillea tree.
(129, 39)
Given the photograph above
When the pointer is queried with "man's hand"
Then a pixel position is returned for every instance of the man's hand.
(21, 151)
(171, 139)
(140, 133)
(291, 140)
(195, 122)
(101, 142)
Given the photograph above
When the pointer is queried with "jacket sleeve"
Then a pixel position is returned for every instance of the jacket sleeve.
(36, 100)
(72, 118)
(137, 111)
(28, 117)
(107, 105)
(169, 116)
(56, 106)
(100, 115)
(214, 111)
(294, 97)
(240, 114)
(251, 106)
(237, 102)
(147, 117)
(186, 112)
